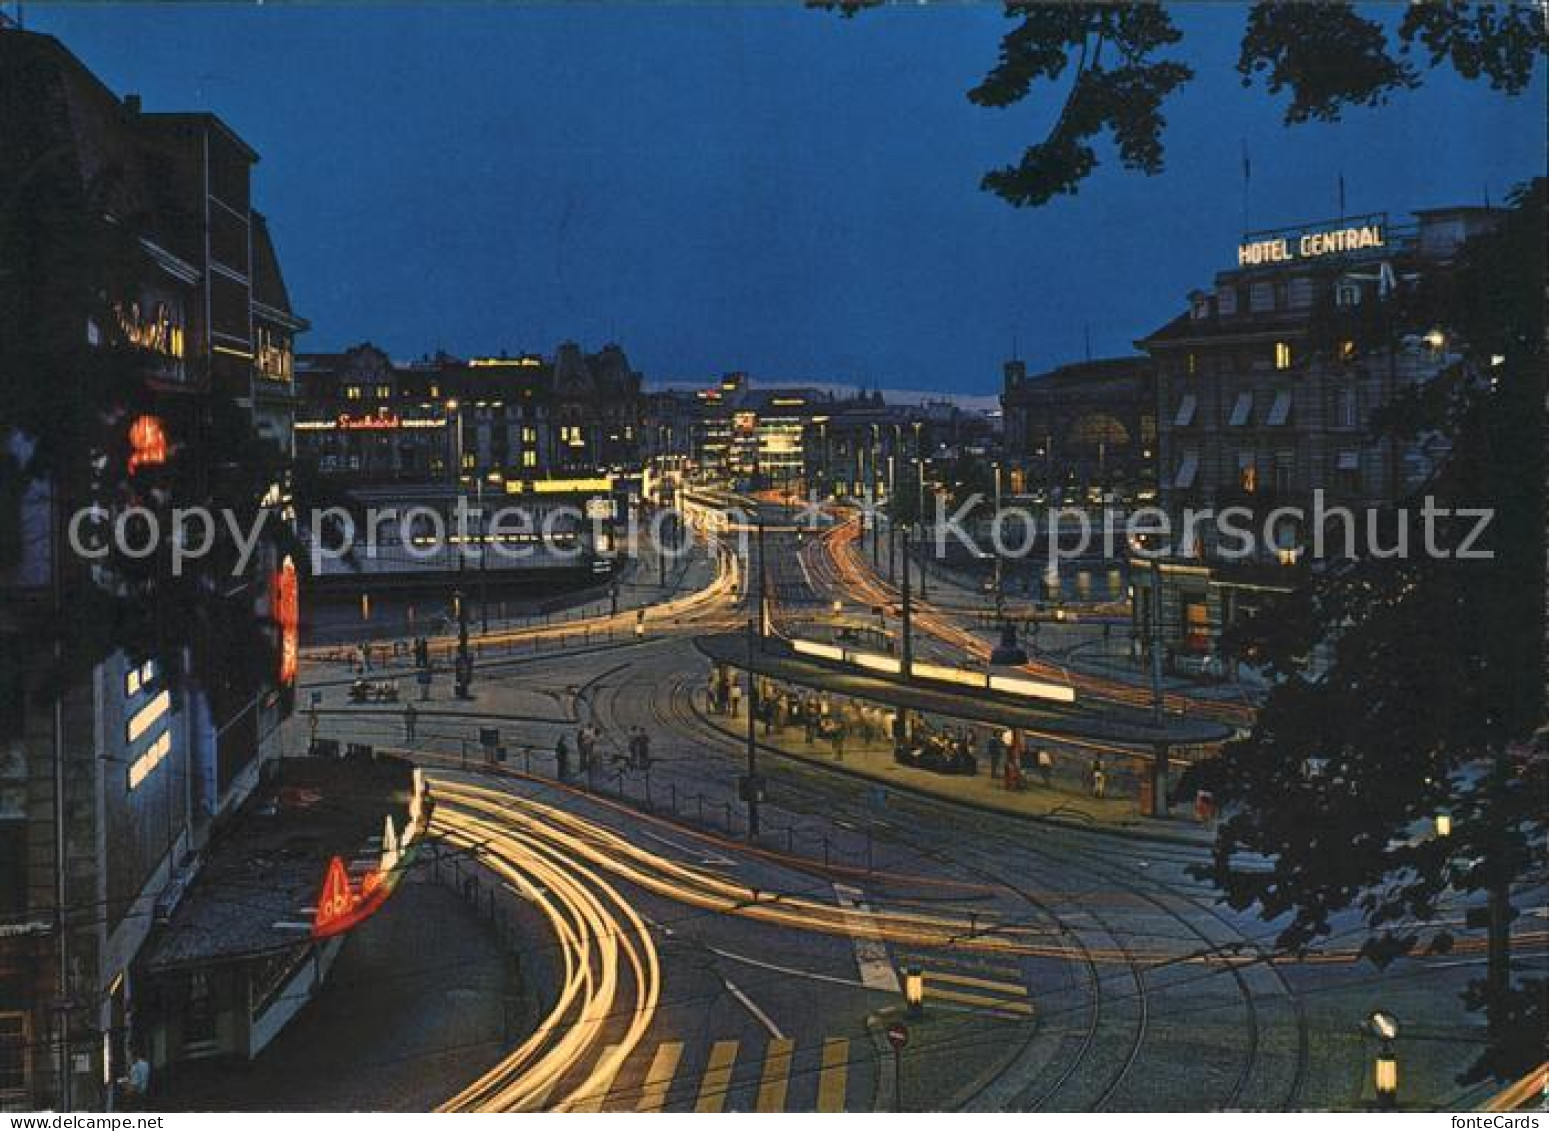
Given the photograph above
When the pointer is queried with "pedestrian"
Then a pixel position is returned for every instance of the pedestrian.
(410, 721)
(562, 759)
(1099, 779)
(134, 1086)
(645, 750)
(836, 734)
(995, 749)
(1046, 767)
(734, 696)
(584, 744)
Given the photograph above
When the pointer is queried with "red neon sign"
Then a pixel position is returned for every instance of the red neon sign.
(287, 614)
(340, 906)
(382, 420)
(147, 443)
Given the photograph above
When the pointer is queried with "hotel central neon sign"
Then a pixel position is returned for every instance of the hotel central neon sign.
(1364, 234)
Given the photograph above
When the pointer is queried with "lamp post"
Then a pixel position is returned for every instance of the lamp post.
(1385, 1068)
(751, 786)
(914, 991)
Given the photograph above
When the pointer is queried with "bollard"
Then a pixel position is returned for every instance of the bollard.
(825, 850)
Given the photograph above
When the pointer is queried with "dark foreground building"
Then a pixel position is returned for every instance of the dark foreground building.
(110, 787)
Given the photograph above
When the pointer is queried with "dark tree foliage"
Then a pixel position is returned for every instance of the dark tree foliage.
(70, 259)
(1412, 686)
(1102, 61)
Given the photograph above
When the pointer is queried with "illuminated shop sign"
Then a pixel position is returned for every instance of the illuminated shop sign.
(526, 362)
(272, 358)
(287, 615)
(1293, 245)
(147, 443)
(155, 329)
(383, 421)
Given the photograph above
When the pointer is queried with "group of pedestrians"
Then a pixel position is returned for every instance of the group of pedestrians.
(1012, 762)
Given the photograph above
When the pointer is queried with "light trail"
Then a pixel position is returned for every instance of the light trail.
(852, 571)
(571, 838)
(599, 934)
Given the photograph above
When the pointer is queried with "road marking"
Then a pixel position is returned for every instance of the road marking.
(717, 1078)
(992, 1003)
(834, 1074)
(790, 970)
(776, 1077)
(871, 958)
(658, 1078)
(752, 1007)
(695, 854)
(1015, 988)
(602, 1081)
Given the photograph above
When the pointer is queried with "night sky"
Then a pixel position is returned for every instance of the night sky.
(758, 188)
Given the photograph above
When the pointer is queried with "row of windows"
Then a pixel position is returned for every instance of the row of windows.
(1266, 296)
(1242, 410)
(1260, 470)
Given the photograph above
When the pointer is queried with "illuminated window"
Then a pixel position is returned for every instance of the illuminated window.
(1347, 350)
(469, 461)
(352, 393)
(1247, 472)
(529, 458)
(154, 754)
(139, 679)
(529, 435)
(1191, 363)
(383, 392)
(1282, 355)
(148, 715)
(571, 434)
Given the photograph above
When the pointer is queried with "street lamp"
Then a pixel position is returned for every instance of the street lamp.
(1443, 824)
(914, 991)
(1385, 1068)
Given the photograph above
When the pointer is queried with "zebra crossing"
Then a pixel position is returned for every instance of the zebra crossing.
(733, 1076)
(984, 984)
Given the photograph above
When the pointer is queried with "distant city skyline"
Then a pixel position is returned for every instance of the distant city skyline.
(771, 190)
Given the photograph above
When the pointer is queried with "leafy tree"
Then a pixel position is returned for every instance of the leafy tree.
(1413, 686)
(1325, 56)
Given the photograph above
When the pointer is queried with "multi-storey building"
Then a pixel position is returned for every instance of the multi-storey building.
(110, 784)
(366, 419)
(1265, 391)
(1082, 433)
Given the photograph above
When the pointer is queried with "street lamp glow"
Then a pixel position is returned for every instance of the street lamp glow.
(914, 990)
(1443, 824)
(1385, 1078)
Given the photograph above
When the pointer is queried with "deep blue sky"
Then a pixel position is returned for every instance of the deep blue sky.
(771, 189)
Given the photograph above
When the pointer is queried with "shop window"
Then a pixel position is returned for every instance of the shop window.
(1196, 626)
(15, 1062)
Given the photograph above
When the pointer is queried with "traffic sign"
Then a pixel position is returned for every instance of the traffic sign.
(898, 1035)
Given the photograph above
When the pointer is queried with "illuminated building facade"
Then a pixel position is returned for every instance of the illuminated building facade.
(1082, 433)
(109, 787)
(1266, 386)
(367, 420)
